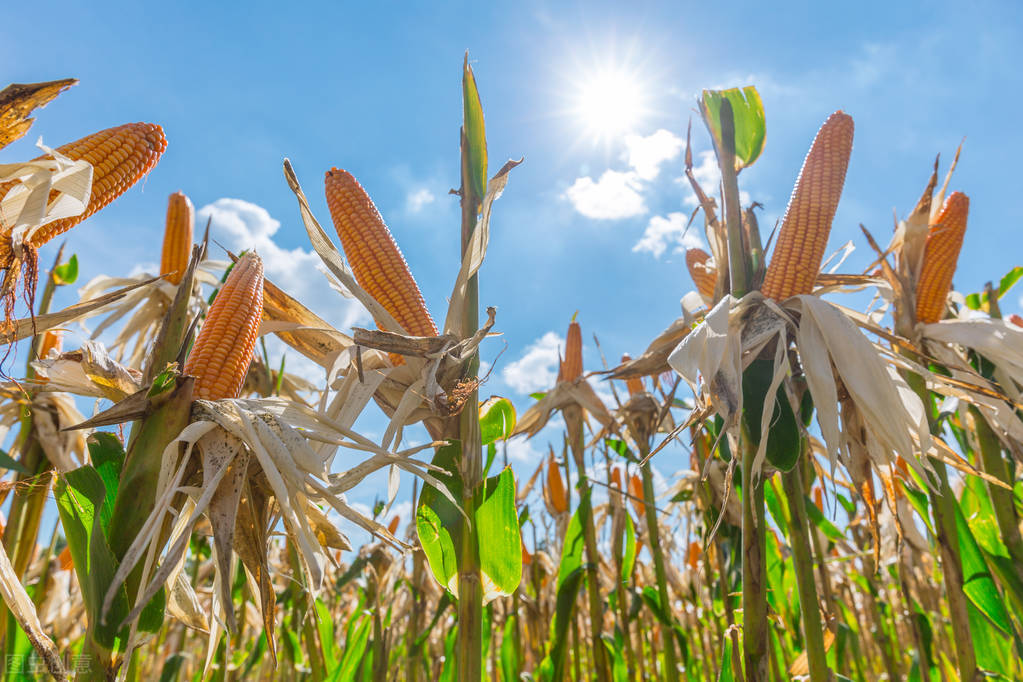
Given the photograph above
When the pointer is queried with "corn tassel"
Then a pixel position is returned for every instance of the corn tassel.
(220, 358)
(120, 157)
(703, 272)
(944, 240)
(376, 261)
(807, 223)
(572, 365)
(177, 237)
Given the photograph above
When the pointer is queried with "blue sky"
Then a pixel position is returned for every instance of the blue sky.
(586, 224)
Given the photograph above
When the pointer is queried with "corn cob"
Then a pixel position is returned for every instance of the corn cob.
(376, 261)
(633, 384)
(1016, 320)
(119, 156)
(572, 366)
(555, 487)
(52, 339)
(636, 495)
(220, 358)
(807, 222)
(944, 240)
(693, 555)
(703, 272)
(177, 237)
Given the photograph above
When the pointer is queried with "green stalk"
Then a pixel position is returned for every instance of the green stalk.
(574, 423)
(737, 250)
(754, 568)
(470, 585)
(802, 560)
(31, 489)
(943, 505)
(649, 505)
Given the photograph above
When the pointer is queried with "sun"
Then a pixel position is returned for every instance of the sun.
(610, 102)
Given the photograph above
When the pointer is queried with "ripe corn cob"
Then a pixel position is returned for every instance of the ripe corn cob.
(52, 339)
(220, 358)
(555, 487)
(633, 384)
(1016, 320)
(703, 272)
(376, 261)
(177, 237)
(807, 222)
(944, 240)
(572, 366)
(120, 157)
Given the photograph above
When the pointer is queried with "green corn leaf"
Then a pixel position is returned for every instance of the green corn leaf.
(475, 132)
(67, 273)
(500, 549)
(750, 125)
(497, 419)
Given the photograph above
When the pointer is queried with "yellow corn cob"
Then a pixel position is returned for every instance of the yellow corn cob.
(807, 222)
(120, 157)
(572, 366)
(177, 237)
(633, 384)
(703, 272)
(376, 261)
(220, 358)
(52, 339)
(944, 240)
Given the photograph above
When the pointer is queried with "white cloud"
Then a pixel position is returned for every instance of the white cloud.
(615, 195)
(240, 224)
(522, 451)
(646, 154)
(537, 369)
(417, 199)
(664, 231)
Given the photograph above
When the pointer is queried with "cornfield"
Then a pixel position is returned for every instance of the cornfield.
(850, 477)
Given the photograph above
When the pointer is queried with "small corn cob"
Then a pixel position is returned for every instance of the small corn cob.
(555, 487)
(633, 384)
(693, 555)
(703, 272)
(220, 358)
(944, 240)
(52, 339)
(636, 495)
(1016, 320)
(177, 237)
(376, 261)
(807, 222)
(572, 366)
(120, 157)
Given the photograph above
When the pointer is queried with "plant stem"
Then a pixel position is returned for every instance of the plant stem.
(470, 585)
(802, 560)
(943, 505)
(667, 641)
(737, 251)
(754, 568)
(574, 422)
